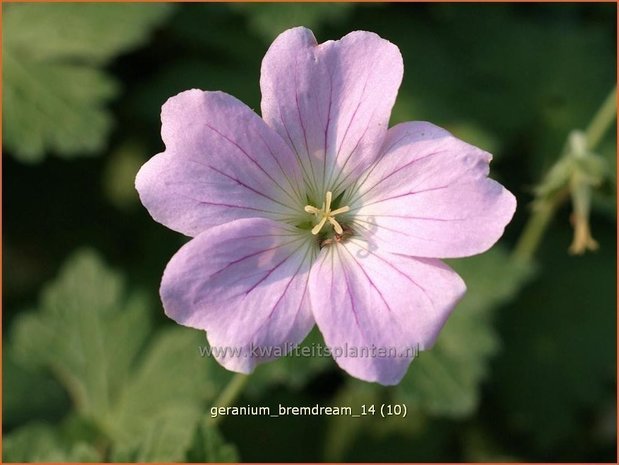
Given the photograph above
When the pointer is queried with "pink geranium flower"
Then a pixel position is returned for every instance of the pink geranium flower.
(318, 213)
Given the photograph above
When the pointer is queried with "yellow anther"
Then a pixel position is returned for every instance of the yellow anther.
(325, 214)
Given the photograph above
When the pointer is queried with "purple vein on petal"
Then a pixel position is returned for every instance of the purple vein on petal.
(249, 157)
(392, 173)
(421, 218)
(292, 185)
(408, 278)
(217, 204)
(296, 99)
(405, 194)
(343, 180)
(324, 159)
(294, 275)
(293, 145)
(270, 272)
(353, 307)
(241, 183)
(395, 231)
(370, 280)
(366, 175)
(253, 254)
(350, 122)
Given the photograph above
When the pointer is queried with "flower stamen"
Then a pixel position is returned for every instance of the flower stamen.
(325, 214)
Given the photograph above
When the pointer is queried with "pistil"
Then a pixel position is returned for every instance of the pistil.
(325, 214)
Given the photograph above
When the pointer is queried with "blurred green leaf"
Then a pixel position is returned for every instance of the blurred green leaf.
(159, 422)
(270, 20)
(39, 442)
(94, 33)
(145, 402)
(445, 380)
(54, 93)
(54, 106)
(209, 446)
(165, 437)
(86, 330)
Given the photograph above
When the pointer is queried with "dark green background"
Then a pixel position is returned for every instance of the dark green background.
(513, 79)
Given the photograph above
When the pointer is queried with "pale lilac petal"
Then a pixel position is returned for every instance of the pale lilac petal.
(429, 196)
(246, 284)
(331, 102)
(364, 297)
(222, 162)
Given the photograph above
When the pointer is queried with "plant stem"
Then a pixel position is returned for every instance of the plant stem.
(602, 120)
(534, 229)
(544, 209)
(227, 397)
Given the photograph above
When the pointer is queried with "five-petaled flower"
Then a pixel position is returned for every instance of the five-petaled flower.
(317, 213)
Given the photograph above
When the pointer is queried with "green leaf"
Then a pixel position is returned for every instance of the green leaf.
(54, 92)
(94, 33)
(39, 442)
(54, 106)
(144, 402)
(445, 380)
(209, 446)
(165, 437)
(86, 330)
(164, 399)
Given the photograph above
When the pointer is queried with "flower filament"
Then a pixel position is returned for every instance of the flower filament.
(326, 214)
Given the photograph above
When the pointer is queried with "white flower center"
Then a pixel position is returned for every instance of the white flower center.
(325, 214)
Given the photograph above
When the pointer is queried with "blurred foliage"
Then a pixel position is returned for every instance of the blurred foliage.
(40, 443)
(134, 400)
(525, 368)
(54, 88)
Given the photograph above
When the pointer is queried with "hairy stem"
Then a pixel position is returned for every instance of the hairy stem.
(545, 208)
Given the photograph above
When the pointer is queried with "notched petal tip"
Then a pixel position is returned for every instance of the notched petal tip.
(297, 36)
